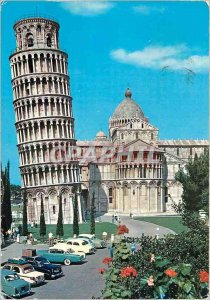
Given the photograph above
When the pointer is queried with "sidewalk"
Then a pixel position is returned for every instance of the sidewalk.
(15, 250)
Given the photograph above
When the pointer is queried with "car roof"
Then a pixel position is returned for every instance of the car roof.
(7, 272)
(18, 265)
(86, 235)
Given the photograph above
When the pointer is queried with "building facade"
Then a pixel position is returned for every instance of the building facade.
(44, 120)
(138, 176)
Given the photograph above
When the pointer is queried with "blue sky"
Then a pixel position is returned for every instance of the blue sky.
(147, 46)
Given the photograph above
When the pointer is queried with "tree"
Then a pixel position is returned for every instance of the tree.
(25, 218)
(92, 214)
(42, 230)
(59, 228)
(15, 190)
(195, 182)
(6, 212)
(75, 221)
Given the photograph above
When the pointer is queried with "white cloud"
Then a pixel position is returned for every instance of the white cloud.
(87, 8)
(176, 58)
(147, 10)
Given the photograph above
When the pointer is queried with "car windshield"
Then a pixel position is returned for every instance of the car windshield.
(70, 251)
(85, 237)
(28, 269)
(12, 277)
(42, 260)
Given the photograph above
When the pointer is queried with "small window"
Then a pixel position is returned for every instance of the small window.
(152, 136)
(122, 136)
(134, 192)
(16, 269)
(30, 40)
(191, 151)
(137, 135)
(76, 244)
(177, 151)
(131, 125)
(69, 243)
(110, 195)
(54, 209)
(142, 125)
(49, 41)
(64, 201)
(39, 29)
(84, 243)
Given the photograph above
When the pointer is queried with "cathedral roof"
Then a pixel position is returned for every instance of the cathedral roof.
(128, 108)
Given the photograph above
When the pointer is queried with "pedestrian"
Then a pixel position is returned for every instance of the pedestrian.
(25, 239)
(119, 220)
(18, 238)
(14, 233)
(20, 229)
(104, 235)
(111, 250)
(31, 237)
(133, 248)
(112, 218)
(116, 217)
(50, 239)
(9, 233)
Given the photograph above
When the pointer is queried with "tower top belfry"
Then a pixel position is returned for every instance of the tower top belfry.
(33, 33)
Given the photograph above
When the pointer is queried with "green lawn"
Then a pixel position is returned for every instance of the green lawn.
(173, 223)
(84, 228)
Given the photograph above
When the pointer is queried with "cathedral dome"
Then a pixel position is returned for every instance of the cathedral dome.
(101, 136)
(128, 108)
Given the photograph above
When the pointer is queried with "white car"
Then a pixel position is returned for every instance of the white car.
(78, 245)
(25, 271)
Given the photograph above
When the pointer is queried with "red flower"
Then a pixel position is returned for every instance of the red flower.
(107, 260)
(101, 270)
(128, 272)
(170, 273)
(122, 229)
(204, 276)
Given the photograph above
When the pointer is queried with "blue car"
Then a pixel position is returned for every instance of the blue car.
(12, 285)
(61, 256)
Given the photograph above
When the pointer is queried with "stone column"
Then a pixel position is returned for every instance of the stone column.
(79, 207)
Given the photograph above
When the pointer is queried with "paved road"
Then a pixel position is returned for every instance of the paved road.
(136, 228)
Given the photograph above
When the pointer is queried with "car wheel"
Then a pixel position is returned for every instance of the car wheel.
(67, 262)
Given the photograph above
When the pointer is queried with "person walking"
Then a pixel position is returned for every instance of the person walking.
(133, 248)
(111, 250)
(50, 239)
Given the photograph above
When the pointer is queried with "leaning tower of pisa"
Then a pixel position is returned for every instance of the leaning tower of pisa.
(44, 120)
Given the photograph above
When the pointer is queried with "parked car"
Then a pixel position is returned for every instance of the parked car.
(43, 265)
(88, 241)
(58, 255)
(96, 242)
(79, 245)
(25, 271)
(12, 285)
